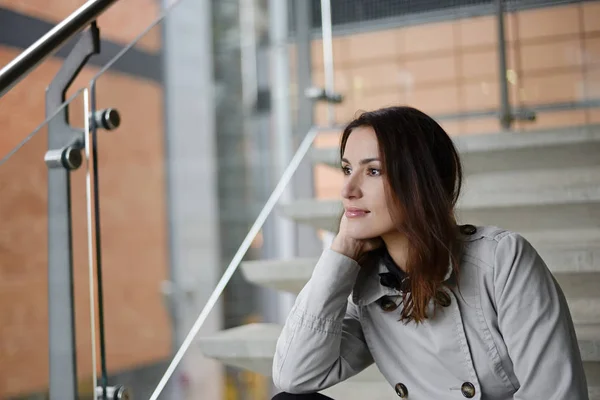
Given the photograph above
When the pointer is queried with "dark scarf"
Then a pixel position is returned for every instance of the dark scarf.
(395, 278)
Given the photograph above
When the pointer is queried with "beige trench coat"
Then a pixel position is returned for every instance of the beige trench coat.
(506, 334)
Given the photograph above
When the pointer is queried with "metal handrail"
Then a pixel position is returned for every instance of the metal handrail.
(48, 44)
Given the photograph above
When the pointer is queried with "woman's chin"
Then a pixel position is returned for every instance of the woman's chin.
(358, 232)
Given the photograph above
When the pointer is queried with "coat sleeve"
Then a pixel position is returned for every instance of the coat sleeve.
(536, 324)
(322, 342)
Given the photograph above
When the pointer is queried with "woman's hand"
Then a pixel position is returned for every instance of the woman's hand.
(350, 247)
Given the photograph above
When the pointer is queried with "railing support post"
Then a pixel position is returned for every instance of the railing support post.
(506, 116)
(64, 155)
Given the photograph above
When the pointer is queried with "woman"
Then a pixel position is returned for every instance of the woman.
(445, 312)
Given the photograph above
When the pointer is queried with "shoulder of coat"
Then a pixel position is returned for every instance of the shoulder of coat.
(480, 243)
(472, 233)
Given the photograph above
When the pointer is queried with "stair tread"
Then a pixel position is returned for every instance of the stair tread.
(573, 255)
(576, 283)
(587, 192)
(563, 211)
(252, 347)
(536, 139)
(561, 147)
(259, 340)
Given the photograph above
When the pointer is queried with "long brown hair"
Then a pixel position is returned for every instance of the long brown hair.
(424, 178)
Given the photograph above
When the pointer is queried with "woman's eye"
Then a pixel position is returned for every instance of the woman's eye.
(346, 170)
(374, 172)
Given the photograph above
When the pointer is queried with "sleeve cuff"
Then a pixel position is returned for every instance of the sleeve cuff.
(336, 270)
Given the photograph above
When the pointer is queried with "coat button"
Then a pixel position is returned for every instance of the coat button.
(468, 390)
(468, 229)
(401, 390)
(387, 304)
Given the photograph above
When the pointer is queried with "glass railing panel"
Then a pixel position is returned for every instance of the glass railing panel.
(24, 265)
(132, 228)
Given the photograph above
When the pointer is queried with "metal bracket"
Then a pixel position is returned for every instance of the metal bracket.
(524, 114)
(173, 294)
(108, 119)
(171, 291)
(61, 134)
(64, 154)
(320, 94)
(118, 392)
(68, 158)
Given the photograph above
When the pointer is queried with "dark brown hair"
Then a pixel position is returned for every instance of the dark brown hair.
(423, 181)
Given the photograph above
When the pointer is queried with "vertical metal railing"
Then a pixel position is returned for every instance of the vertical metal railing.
(65, 144)
(328, 67)
(505, 116)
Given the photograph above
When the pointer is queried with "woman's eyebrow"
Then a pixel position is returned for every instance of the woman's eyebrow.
(363, 161)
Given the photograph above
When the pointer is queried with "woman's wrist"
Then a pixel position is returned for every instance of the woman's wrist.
(346, 247)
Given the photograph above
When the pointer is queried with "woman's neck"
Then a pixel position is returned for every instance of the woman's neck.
(397, 246)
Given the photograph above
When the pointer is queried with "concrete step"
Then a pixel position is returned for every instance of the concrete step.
(252, 347)
(285, 275)
(592, 373)
(291, 276)
(320, 214)
(582, 290)
(589, 342)
(552, 198)
(518, 188)
(381, 390)
(561, 208)
(568, 250)
(350, 390)
(572, 255)
(556, 148)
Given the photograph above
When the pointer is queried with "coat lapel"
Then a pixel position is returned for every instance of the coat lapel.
(368, 288)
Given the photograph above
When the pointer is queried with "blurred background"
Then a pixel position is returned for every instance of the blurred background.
(215, 98)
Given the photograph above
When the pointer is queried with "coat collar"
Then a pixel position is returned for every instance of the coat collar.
(368, 288)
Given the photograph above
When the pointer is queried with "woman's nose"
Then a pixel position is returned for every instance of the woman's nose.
(351, 188)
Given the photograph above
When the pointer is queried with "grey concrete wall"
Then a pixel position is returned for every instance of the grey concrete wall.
(193, 187)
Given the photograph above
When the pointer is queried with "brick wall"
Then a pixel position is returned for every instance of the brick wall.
(122, 22)
(450, 67)
(134, 225)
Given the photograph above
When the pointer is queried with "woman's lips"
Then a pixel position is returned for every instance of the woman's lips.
(355, 212)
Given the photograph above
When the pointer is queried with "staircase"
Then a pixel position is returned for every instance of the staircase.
(543, 184)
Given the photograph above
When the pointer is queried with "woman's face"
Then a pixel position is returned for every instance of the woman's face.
(363, 192)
